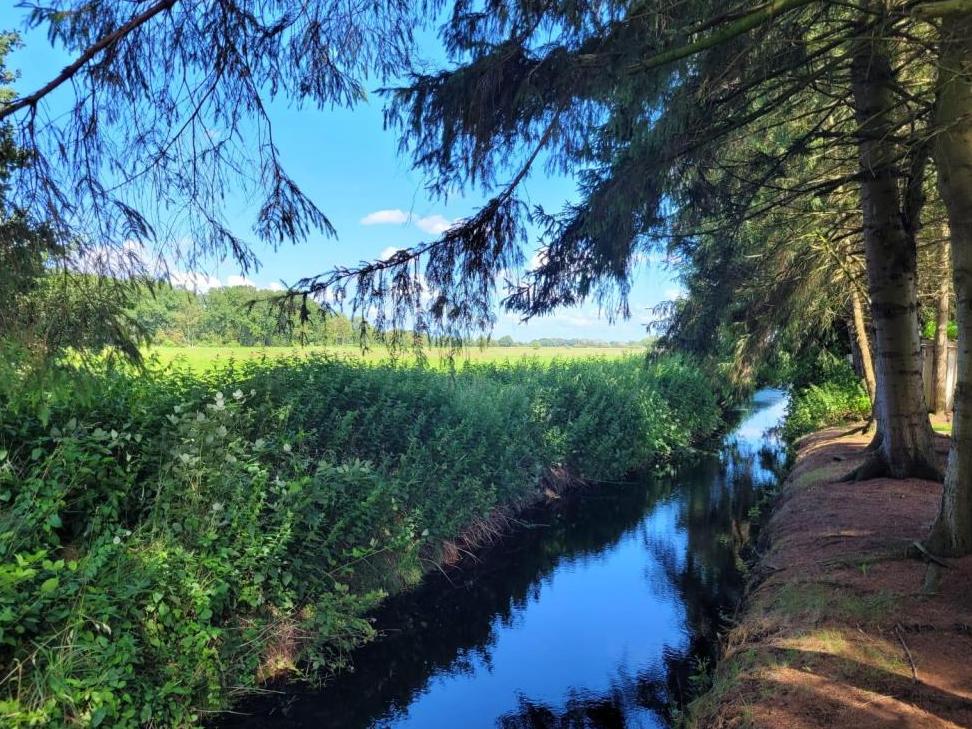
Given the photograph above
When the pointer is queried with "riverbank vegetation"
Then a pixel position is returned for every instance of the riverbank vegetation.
(830, 394)
(170, 539)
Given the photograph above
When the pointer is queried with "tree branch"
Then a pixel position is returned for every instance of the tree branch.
(763, 14)
(69, 71)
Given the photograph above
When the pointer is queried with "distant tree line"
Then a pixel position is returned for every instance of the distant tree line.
(234, 315)
(246, 316)
(508, 341)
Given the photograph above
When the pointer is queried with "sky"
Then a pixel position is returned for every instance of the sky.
(351, 167)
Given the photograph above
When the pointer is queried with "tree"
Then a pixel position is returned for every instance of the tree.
(943, 297)
(45, 310)
(168, 112)
(631, 99)
(905, 447)
(952, 532)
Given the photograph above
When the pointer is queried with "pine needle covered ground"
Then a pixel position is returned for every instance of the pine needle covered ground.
(846, 628)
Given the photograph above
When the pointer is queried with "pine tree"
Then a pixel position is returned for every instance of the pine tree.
(631, 101)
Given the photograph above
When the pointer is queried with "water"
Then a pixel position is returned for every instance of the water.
(596, 616)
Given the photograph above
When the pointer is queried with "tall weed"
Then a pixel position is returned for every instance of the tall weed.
(168, 538)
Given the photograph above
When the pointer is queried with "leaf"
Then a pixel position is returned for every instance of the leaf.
(49, 585)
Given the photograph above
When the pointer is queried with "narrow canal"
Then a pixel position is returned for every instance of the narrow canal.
(598, 614)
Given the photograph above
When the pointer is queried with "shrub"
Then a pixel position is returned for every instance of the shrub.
(165, 536)
(839, 398)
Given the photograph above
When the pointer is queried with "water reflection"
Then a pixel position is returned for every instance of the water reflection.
(594, 618)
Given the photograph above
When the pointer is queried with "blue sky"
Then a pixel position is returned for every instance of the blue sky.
(350, 166)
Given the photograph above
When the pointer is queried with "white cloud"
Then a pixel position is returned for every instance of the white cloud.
(388, 252)
(536, 259)
(574, 319)
(276, 286)
(434, 224)
(131, 258)
(386, 217)
(194, 281)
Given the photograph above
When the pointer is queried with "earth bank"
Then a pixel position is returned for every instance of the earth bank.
(844, 625)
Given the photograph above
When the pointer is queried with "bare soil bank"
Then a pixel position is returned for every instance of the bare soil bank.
(839, 630)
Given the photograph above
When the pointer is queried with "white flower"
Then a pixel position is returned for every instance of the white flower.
(116, 540)
(184, 457)
(286, 447)
(217, 506)
(238, 394)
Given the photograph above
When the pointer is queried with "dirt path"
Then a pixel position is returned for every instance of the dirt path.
(840, 632)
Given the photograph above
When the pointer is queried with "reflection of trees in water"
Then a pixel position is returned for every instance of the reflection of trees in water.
(715, 515)
(606, 710)
(448, 624)
(611, 709)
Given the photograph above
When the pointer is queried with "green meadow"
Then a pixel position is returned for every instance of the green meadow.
(201, 358)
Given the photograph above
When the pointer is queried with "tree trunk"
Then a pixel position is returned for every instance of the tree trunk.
(940, 378)
(863, 345)
(952, 532)
(906, 435)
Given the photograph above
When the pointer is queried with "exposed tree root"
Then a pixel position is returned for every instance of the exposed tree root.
(876, 466)
(939, 543)
(859, 429)
(923, 552)
(878, 438)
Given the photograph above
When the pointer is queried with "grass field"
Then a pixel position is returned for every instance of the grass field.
(205, 357)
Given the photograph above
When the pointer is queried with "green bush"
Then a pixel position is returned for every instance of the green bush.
(930, 329)
(839, 398)
(165, 536)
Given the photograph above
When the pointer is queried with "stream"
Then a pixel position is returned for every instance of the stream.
(599, 613)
